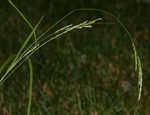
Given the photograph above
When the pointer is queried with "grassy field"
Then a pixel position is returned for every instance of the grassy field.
(86, 72)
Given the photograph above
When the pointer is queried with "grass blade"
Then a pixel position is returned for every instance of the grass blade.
(21, 14)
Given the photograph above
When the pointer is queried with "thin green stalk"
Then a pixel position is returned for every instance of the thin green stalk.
(30, 87)
(21, 14)
(23, 17)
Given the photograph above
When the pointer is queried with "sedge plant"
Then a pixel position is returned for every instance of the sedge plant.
(27, 50)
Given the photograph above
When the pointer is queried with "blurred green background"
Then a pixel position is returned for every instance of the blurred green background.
(89, 71)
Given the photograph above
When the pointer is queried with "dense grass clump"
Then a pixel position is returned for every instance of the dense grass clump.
(28, 48)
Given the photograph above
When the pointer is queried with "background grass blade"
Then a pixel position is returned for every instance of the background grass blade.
(21, 14)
